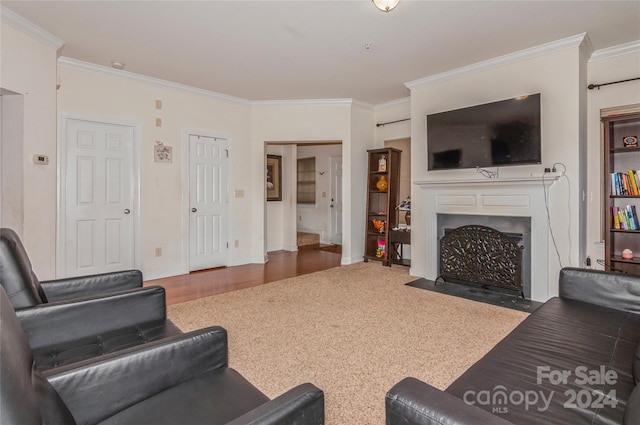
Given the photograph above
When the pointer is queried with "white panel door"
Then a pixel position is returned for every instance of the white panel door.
(208, 198)
(99, 197)
(336, 200)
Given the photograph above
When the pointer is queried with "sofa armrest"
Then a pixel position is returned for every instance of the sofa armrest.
(412, 402)
(60, 322)
(86, 286)
(608, 289)
(94, 390)
(302, 405)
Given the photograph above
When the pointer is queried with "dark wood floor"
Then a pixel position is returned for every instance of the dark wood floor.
(281, 265)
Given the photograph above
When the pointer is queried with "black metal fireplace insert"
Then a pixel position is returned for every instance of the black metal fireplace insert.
(482, 255)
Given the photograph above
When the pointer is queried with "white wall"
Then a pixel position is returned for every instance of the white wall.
(29, 69)
(393, 111)
(556, 76)
(280, 219)
(97, 93)
(604, 67)
(12, 167)
(356, 160)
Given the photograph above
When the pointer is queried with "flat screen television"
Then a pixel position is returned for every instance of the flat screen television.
(495, 134)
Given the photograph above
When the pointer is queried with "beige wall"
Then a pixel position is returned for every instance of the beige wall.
(29, 69)
(314, 121)
(11, 157)
(162, 219)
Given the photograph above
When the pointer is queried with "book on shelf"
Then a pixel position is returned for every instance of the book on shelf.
(625, 218)
(625, 184)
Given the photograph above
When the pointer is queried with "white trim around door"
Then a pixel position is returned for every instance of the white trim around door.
(134, 195)
(187, 134)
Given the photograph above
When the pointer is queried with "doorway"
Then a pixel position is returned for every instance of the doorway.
(98, 197)
(207, 205)
(315, 219)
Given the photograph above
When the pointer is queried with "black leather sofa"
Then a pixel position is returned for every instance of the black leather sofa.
(74, 319)
(183, 379)
(575, 360)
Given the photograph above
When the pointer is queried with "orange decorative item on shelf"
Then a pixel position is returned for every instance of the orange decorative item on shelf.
(379, 225)
(382, 184)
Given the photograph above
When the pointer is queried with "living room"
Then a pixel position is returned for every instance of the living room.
(47, 89)
(571, 136)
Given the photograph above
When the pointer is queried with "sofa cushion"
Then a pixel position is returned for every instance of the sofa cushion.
(109, 342)
(214, 399)
(559, 337)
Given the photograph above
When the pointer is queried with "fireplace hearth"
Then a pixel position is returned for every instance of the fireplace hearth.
(482, 255)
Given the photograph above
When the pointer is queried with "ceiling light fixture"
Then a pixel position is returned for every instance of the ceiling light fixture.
(117, 65)
(386, 5)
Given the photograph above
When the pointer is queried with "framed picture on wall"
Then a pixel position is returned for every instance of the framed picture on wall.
(274, 178)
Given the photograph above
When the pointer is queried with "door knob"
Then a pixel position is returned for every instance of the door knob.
(127, 210)
(194, 209)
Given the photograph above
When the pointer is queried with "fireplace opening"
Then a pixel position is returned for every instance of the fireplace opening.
(483, 256)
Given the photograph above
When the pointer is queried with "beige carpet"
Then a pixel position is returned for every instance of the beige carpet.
(353, 331)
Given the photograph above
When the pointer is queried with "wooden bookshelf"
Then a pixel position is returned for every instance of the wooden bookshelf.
(618, 161)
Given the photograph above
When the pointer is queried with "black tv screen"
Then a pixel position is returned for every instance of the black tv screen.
(495, 134)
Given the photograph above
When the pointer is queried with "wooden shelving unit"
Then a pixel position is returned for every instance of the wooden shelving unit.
(620, 159)
(381, 203)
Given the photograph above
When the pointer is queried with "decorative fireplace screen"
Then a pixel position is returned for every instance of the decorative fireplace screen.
(481, 255)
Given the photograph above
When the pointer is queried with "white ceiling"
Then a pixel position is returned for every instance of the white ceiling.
(306, 49)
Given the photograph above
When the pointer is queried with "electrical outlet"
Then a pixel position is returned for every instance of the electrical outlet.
(158, 252)
(41, 159)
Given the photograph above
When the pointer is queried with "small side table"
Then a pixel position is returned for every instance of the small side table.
(397, 240)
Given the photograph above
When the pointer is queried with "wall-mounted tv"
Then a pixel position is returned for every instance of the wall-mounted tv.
(495, 134)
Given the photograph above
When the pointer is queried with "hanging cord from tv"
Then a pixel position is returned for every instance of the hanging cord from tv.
(488, 173)
(597, 86)
(546, 205)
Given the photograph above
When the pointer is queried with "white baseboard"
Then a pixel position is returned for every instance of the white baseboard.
(160, 274)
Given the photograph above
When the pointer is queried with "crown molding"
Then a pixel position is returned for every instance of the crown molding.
(586, 47)
(394, 102)
(105, 70)
(621, 49)
(533, 52)
(9, 17)
(313, 102)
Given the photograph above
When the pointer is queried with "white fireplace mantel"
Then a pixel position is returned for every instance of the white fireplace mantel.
(546, 180)
(518, 197)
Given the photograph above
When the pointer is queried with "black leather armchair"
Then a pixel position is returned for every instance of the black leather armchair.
(179, 380)
(25, 290)
(70, 320)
